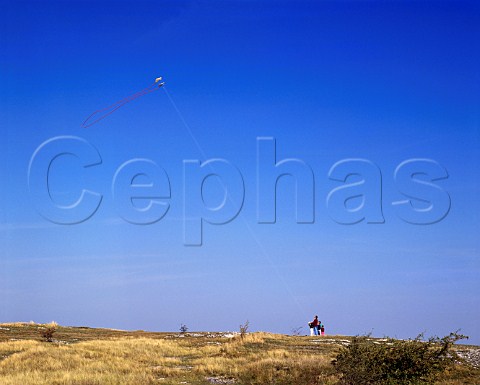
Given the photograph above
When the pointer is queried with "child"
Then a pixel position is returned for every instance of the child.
(321, 328)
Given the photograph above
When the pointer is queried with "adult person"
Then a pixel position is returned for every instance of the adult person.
(314, 326)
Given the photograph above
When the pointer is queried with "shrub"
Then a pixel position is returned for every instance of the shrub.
(48, 331)
(399, 362)
(183, 328)
(297, 331)
(244, 329)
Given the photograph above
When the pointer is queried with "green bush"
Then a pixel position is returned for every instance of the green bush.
(395, 362)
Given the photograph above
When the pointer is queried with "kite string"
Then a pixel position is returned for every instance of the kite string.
(263, 250)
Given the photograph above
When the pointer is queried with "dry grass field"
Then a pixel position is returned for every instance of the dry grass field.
(87, 356)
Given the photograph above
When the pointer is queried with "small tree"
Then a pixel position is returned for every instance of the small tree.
(183, 328)
(48, 331)
(297, 331)
(244, 329)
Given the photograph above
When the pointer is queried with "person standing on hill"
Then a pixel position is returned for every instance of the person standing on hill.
(321, 328)
(314, 326)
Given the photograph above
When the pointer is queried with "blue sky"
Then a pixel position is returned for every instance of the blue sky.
(383, 81)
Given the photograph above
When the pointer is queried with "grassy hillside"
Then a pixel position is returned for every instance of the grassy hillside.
(86, 356)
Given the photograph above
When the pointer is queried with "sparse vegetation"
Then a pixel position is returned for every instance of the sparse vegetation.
(48, 331)
(244, 329)
(86, 356)
(297, 331)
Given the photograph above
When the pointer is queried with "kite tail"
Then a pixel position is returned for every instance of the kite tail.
(98, 115)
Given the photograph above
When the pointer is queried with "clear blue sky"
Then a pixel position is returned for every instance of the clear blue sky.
(383, 81)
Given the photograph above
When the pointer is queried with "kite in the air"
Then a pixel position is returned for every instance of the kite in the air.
(98, 115)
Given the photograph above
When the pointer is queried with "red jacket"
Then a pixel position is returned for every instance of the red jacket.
(314, 322)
